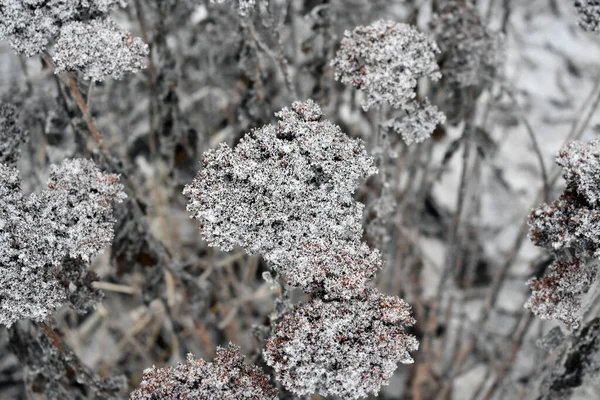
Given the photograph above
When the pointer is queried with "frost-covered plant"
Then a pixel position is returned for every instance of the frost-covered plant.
(589, 15)
(580, 164)
(470, 53)
(570, 225)
(11, 134)
(341, 348)
(386, 60)
(30, 25)
(40, 233)
(51, 370)
(286, 192)
(97, 49)
(418, 124)
(226, 377)
(558, 294)
(573, 221)
(339, 269)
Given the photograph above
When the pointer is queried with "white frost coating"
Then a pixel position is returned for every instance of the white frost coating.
(580, 164)
(97, 49)
(341, 348)
(11, 134)
(419, 123)
(71, 219)
(558, 294)
(386, 60)
(286, 192)
(29, 25)
(226, 377)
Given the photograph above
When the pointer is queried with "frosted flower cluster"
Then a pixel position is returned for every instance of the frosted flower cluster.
(558, 294)
(385, 60)
(341, 348)
(226, 377)
(589, 15)
(471, 54)
(418, 124)
(11, 134)
(580, 164)
(570, 225)
(40, 233)
(30, 25)
(286, 192)
(244, 6)
(97, 49)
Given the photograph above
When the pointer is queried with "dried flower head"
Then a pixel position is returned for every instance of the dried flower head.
(339, 269)
(97, 49)
(30, 25)
(283, 186)
(580, 164)
(341, 348)
(471, 54)
(419, 123)
(574, 220)
(386, 59)
(558, 294)
(566, 223)
(40, 232)
(11, 134)
(226, 377)
(589, 15)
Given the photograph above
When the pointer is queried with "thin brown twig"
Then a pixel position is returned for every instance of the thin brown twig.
(69, 79)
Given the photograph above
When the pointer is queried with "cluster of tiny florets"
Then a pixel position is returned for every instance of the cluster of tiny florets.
(341, 348)
(589, 15)
(580, 164)
(570, 225)
(558, 294)
(30, 25)
(227, 377)
(86, 39)
(339, 269)
(385, 60)
(40, 233)
(98, 49)
(285, 190)
(11, 134)
(470, 53)
(418, 124)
